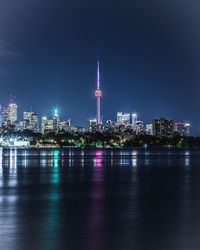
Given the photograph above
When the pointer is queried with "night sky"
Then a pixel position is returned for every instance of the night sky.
(149, 54)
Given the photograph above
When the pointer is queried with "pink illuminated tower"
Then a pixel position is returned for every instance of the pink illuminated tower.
(98, 95)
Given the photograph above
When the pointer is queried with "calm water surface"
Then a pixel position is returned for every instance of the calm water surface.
(99, 199)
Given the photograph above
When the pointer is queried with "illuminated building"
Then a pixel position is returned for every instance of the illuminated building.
(123, 119)
(182, 129)
(149, 129)
(44, 124)
(27, 120)
(26, 124)
(27, 116)
(163, 127)
(30, 121)
(139, 127)
(64, 125)
(5, 115)
(50, 125)
(134, 120)
(55, 119)
(92, 125)
(34, 122)
(98, 95)
(13, 112)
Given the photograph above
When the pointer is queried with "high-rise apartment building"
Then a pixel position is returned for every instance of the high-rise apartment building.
(13, 112)
(163, 127)
(149, 129)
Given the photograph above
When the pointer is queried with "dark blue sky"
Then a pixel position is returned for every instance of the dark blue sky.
(148, 50)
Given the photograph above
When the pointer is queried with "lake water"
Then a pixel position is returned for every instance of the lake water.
(99, 199)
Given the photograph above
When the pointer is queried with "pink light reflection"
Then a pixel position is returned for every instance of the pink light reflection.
(98, 158)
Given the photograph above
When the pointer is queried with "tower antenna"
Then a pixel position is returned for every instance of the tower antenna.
(98, 95)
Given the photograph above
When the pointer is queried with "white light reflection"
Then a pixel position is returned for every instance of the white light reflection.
(187, 158)
(134, 158)
(13, 160)
(43, 158)
(25, 161)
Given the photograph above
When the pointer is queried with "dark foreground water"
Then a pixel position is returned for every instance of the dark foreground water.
(99, 199)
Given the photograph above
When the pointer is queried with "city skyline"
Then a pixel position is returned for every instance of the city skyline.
(31, 120)
(148, 64)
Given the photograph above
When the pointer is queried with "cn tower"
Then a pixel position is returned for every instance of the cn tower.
(98, 95)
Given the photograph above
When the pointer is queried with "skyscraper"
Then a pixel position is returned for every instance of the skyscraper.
(5, 115)
(55, 119)
(44, 124)
(13, 112)
(134, 120)
(163, 127)
(92, 125)
(98, 95)
(123, 119)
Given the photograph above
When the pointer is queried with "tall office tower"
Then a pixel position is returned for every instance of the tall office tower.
(55, 119)
(187, 129)
(13, 112)
(50, 125)
(92, 125)
(163, 127)
(5, 115)
(123, 119)
(34, 122)
(31, 121)
(134, 120)
(156, 127)
(27, 120)
(182, 129)
(119, 118)
(98, 95)
(44, 124)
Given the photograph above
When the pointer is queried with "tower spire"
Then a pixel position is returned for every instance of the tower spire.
(98, 76)
(98, 95)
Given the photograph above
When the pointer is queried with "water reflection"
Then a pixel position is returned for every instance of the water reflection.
(96, 204)
(134, 158)
(25, 158)
(187, 158)
(98, 158)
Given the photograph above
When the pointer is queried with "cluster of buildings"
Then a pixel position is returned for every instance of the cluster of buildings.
(129, 122)
(125, 121)
(9, 121)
